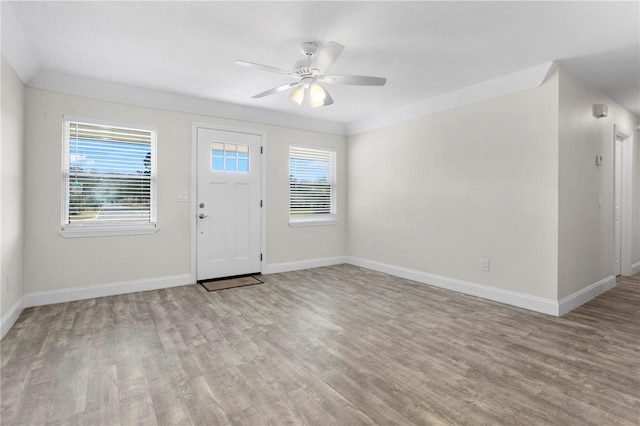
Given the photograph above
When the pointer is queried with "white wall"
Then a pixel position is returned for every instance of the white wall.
(294, 244)
(434, 194)
(12, 223)
(438, 193)
(56, 263)
(585, 228)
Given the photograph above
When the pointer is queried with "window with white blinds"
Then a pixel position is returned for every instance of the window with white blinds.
(109, 175)
(312, 186)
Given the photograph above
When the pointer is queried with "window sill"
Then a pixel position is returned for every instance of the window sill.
(313, 221)
(107, 231)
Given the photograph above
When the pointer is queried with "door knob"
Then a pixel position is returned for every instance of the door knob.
(202, 215)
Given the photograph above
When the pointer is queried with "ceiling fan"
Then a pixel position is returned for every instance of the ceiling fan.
(311, 73)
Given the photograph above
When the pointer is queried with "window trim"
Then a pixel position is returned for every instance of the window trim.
(322, 219)
(79, 230)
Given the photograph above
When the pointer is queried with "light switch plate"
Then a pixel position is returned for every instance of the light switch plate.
(183, 196)
(484, 265)
(598, 160)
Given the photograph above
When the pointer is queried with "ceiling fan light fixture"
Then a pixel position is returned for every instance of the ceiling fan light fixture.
(316, 104)
(317, 93)
(298, 95)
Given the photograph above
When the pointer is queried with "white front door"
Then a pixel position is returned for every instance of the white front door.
(228, 203)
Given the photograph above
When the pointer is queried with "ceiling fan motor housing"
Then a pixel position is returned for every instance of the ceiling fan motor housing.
(303, 70)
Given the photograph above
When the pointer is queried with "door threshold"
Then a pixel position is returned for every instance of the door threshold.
(230, 277)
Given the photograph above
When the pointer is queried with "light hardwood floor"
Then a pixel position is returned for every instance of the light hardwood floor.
(330, 346)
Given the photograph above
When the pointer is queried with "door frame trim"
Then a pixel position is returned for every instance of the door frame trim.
(627, 193)
(194, 189)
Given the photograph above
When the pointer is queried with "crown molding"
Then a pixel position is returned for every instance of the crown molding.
(515, 82)
(151, 98)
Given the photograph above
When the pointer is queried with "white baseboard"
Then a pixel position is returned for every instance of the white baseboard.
(521, 300)
(10, 317)
(276, 268)
(533, 303)
(102, 290)
(635, 268)
(580, 297)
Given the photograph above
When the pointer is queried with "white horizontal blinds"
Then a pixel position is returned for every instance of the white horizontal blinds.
(108, 173)
(311, 181)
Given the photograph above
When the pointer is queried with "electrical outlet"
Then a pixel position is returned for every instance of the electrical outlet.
(8, 282)
(372, 246)
(484, 265)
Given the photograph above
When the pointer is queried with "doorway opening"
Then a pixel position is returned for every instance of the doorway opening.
(623, 162)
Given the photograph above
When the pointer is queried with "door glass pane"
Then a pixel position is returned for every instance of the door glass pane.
(243, 158)
(217, 156)
(229, 157)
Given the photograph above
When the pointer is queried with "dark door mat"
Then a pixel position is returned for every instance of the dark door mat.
(231, 282)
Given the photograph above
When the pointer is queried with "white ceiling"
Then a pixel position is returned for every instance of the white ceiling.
(424, 49)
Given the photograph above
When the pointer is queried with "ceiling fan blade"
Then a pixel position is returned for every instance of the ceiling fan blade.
(327, 56)
(276, 89)
(355, 80)
(265, 68)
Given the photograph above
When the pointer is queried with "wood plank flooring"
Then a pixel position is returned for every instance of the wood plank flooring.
(330, 346)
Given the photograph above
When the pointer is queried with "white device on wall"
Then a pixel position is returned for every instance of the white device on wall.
(600, 110)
